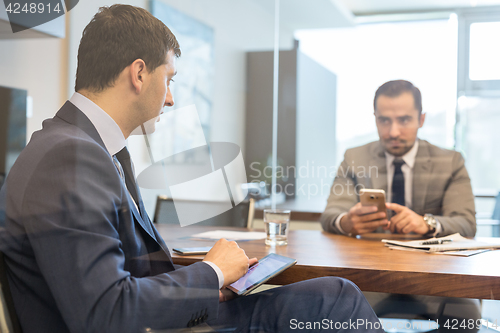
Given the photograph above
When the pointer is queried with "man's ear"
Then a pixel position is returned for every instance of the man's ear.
(137, 72)
(422, 119)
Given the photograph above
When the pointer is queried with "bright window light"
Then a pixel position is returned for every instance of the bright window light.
(484, 51)
(368, 55)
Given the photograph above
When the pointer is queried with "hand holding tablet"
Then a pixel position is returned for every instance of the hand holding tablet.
(265, 269)
(268, 267)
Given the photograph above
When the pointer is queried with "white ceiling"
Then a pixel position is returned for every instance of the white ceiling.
(317, 14)
(390, 6)
(310, 14)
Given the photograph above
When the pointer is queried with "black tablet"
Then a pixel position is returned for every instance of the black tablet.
(268, 267)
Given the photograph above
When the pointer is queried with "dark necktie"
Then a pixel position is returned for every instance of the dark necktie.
(398, 183)
(123, 157)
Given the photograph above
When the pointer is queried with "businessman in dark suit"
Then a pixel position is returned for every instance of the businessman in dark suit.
(82, 254)
(428, 189)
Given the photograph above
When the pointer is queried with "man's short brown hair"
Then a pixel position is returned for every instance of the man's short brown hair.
(396, 88)
(115, 38)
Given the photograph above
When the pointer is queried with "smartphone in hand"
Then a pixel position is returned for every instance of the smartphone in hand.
(373, 197)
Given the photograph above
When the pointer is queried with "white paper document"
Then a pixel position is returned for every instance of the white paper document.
(460, 253)
(453, 242)
(230, 235)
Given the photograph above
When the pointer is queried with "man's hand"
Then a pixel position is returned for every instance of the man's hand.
(363, 219)
(232, 261)
(226, 294)
(406, 220)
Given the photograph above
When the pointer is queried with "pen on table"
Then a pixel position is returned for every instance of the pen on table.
(437, 241)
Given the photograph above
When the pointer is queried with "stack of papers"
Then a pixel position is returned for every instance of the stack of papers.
(454, 245)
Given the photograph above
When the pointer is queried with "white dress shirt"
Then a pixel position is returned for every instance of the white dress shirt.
(407, 169)
(106, 127)
(114, 140)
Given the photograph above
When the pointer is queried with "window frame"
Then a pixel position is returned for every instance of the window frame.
(466, 86)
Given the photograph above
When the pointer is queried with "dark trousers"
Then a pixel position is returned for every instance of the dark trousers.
(326, 304)
(452, 314)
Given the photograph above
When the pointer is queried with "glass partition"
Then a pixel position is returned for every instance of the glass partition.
(209, 90)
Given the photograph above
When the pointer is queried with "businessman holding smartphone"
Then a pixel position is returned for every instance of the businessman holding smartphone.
(428, 188)
(428, 192)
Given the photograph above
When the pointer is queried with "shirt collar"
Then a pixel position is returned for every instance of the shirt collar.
(108, 129)
(409, 157)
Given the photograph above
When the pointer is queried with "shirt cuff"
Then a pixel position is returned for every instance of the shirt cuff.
(439, 228)
(217, 270)
(337, 223)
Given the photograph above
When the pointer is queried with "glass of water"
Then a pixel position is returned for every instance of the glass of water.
(276, 222)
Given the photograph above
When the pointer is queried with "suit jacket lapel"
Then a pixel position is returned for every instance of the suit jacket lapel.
(379, 175)
(421, 177)
(157, 259)
(145, 224)
(71, 114)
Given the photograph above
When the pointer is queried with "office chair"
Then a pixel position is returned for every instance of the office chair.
(495, 218)
(239, 216)
(8, 318)
(496, 210)
(492, 222)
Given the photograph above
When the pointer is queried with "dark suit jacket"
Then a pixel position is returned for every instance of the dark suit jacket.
(441, 186)
(80, 256)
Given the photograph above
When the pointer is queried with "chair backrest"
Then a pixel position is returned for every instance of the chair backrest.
(8, 317)
(496, 210)
(239, 216)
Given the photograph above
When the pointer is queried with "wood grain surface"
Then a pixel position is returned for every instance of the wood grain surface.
(366, 262)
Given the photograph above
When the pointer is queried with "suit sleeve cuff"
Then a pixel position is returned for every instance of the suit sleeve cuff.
(217, 270)
(337, 223)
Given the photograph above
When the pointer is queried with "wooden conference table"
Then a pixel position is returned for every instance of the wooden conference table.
(366, 262)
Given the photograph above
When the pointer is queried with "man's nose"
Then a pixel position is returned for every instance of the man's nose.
(169, 99)
(395, 130)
